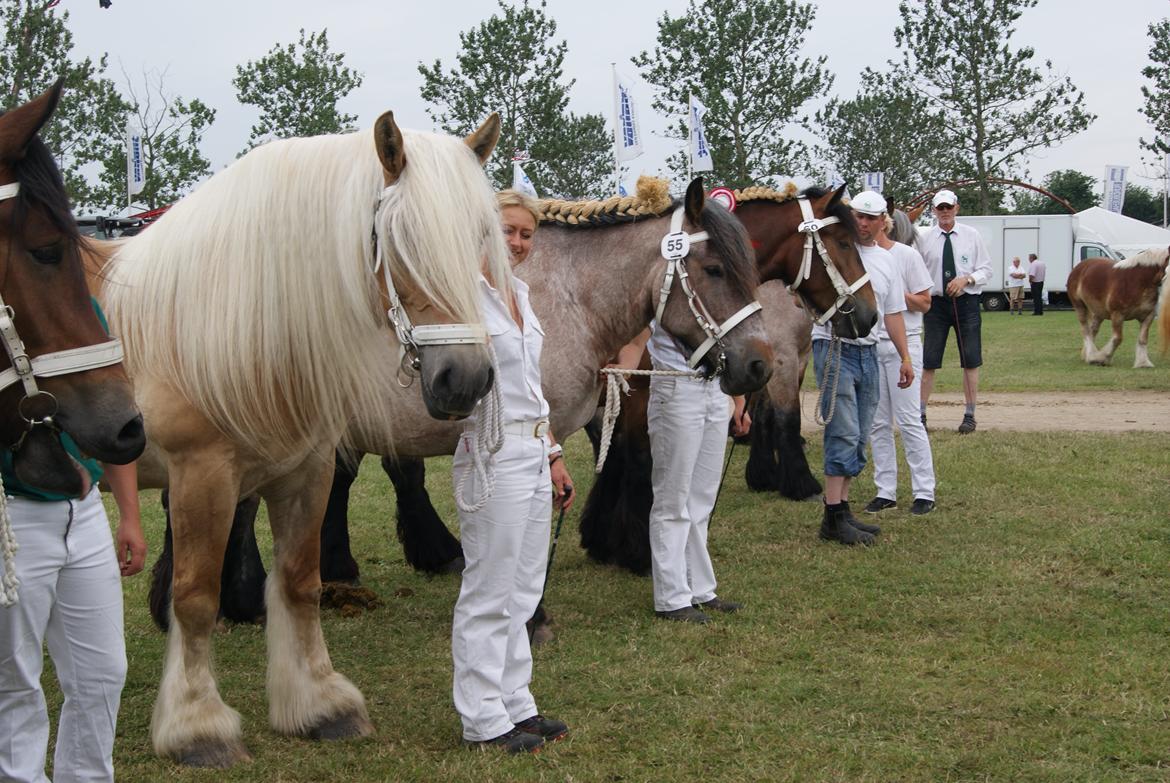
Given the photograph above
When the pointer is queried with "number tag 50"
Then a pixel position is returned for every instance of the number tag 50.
(676, 246)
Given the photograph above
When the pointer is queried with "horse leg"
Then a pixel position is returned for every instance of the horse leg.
(1110, 347)
(306, 697)
(796, 480)
(159, 597)
(1089, 326)
(426, 541)
(241, 593)
(1092, 355)
(337, 562)
(1141, 356)
(762, 472)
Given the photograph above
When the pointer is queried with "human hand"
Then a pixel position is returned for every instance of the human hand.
(130, 546)
(956, 286)
(563, 495)
(905, 375)
(741, 425)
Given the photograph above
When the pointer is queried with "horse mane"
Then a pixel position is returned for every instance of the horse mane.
(41, 183)
(904, 230)
(255, 296)
(651, 199)
(1154, 256)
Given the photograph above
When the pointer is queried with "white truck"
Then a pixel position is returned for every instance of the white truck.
(1058, 240)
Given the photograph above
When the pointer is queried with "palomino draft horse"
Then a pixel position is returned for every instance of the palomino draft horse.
(253, 340)
(62, 372)
(1101, 289)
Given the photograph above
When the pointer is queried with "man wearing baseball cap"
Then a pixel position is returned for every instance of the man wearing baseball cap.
(959, 264)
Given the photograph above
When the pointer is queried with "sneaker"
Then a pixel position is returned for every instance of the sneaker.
(548, 728)
(514, 741)
(688, 614)
(880, 504)
(717, 604)
(922, 506)
(968, 424)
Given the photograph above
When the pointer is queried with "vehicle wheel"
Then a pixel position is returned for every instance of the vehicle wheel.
(994, 302)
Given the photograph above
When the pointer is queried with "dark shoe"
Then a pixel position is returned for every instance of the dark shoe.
(880, 504)
(835, 527)
(717, 604)
(873, 530)
(968, 424)
(688, 614)
(922, 506)
(924, 421)
(549, 728)
(515, 741)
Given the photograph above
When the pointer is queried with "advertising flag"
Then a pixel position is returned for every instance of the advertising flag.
(874, 180)
(700, 152)
(627, 136)
(1115, 188)
(135, 167)
(521, 182)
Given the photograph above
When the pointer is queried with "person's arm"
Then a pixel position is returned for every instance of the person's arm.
(896, 329)
(630, 355)
(981, 268)
(919, 302)
(130, 543)
(741, 420)
(559, 474)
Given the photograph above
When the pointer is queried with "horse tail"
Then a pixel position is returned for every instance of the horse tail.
(1164, 313)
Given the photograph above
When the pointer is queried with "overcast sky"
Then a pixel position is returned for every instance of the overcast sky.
(1102, 46)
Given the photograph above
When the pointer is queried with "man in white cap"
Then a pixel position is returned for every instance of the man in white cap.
(851, 379)
(959, 265)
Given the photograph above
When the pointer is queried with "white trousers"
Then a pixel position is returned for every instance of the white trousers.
(688, 435)
(901, 407)
(71, 599)
(505, 546)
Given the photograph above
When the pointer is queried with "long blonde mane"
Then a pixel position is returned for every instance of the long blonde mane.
(1154, 256)
(255, 296)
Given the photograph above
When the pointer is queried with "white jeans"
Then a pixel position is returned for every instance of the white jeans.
(71, 598)
(900, 406)
(688, 434)
(505, 546)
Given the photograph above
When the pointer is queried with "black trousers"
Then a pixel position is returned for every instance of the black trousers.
(1038, 298)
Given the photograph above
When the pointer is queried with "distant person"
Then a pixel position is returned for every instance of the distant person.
(1015, 286)
(1036, 270)
(959, 265)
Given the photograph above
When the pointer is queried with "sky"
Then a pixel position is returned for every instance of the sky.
(1102, 46)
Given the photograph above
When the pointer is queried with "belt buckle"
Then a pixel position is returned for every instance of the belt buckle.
(541, 429)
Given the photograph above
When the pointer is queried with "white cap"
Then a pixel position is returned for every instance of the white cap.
(868, 203)
(944, 197)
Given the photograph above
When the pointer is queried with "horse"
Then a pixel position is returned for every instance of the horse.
(63, 372)
(1121, 291)
(254, 337)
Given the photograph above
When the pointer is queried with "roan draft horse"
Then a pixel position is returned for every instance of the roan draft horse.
(253, 340)
(1103, 290)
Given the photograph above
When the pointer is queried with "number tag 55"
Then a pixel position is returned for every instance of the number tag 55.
(676, 246)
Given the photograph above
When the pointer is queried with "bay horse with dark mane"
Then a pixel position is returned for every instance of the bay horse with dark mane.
(1103, 290)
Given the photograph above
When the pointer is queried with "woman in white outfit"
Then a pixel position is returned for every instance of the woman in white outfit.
(505, 543)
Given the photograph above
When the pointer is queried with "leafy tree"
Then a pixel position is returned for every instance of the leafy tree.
(997, 106)
(1078, 189)
(89, 124)
(1157, 94)
(887, 127)
(296, 87)
(1142, 204)
(511, 64)
(742, 59)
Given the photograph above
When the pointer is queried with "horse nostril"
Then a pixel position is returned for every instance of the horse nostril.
(133, 433)
(758, 370)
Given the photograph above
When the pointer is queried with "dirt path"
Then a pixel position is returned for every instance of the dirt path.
(1141, 411)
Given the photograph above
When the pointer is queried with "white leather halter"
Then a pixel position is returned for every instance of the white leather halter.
(26, 370)
(675, 247)
(410, 336)
(810, 227)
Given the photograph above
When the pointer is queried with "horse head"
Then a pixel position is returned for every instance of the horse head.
(809, 242)
(80, 389)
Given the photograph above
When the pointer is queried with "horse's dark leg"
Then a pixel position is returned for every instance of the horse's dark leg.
(762, 473)
(159, 597)
(241, 585)
(794, 478)
(426, 541)
(337, 563)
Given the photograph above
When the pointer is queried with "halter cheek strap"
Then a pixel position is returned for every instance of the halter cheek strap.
(811, 227)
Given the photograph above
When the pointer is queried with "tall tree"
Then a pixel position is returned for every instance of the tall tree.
(296, 87)
(1142, 204)
(511, 63)
(997, 105)
(888, 127)
(1157, 94)
(89, 124)
(172, 130)
(1077, 188)
(743, 60)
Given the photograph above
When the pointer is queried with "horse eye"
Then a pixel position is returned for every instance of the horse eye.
(49, 254)
(713, 271)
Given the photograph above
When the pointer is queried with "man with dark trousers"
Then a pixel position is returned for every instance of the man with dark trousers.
(1036, 270)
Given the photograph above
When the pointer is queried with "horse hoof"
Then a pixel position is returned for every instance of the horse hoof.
(453, 566)
(339, 727)
(213, 754)
(542, 634)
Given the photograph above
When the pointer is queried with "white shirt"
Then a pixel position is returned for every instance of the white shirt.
(1016, 282)
(916, 279)
(888, 291)
(664, 350)
(971, 257)
(518, 352)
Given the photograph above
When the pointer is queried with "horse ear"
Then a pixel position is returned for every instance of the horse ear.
(890, 208)
(916, 213)
(696, 196)
(388, 139)
(483, 141)
(18, 126)
(837, 195)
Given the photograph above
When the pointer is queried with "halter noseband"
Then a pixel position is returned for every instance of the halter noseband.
(26, 370)
(675, 247)
(810, 227)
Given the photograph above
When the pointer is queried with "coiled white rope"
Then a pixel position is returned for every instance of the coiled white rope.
(833, 368)
(9, 583)
(488, 438)
(616, 386)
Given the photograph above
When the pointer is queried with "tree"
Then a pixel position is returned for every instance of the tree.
(742, 59)
(1142, 204)
(997, 106)
(511, 64)
(89, 124)
(297, 87)
(1157, 95)
(1078, 189)
(889, 128)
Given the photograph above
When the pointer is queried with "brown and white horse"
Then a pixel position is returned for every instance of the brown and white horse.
(1101, 289)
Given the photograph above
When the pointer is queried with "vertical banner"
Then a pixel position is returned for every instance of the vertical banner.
(627, 136)
(1115, 188)
(836, 181)
(874, 180)
(135, 168)
(521, 182)
(700, 152)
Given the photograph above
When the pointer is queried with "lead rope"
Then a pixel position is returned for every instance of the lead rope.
(488, 438)
(832, 367)
(10, 582)
(616, 386)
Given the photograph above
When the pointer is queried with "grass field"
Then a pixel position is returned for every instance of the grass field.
(1017, 634)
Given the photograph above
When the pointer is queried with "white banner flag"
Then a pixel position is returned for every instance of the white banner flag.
(1115, 187)
(700, 153)
(627, 136)
(874, 180)
(135, 167)
(521, 183)
(836, 181)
